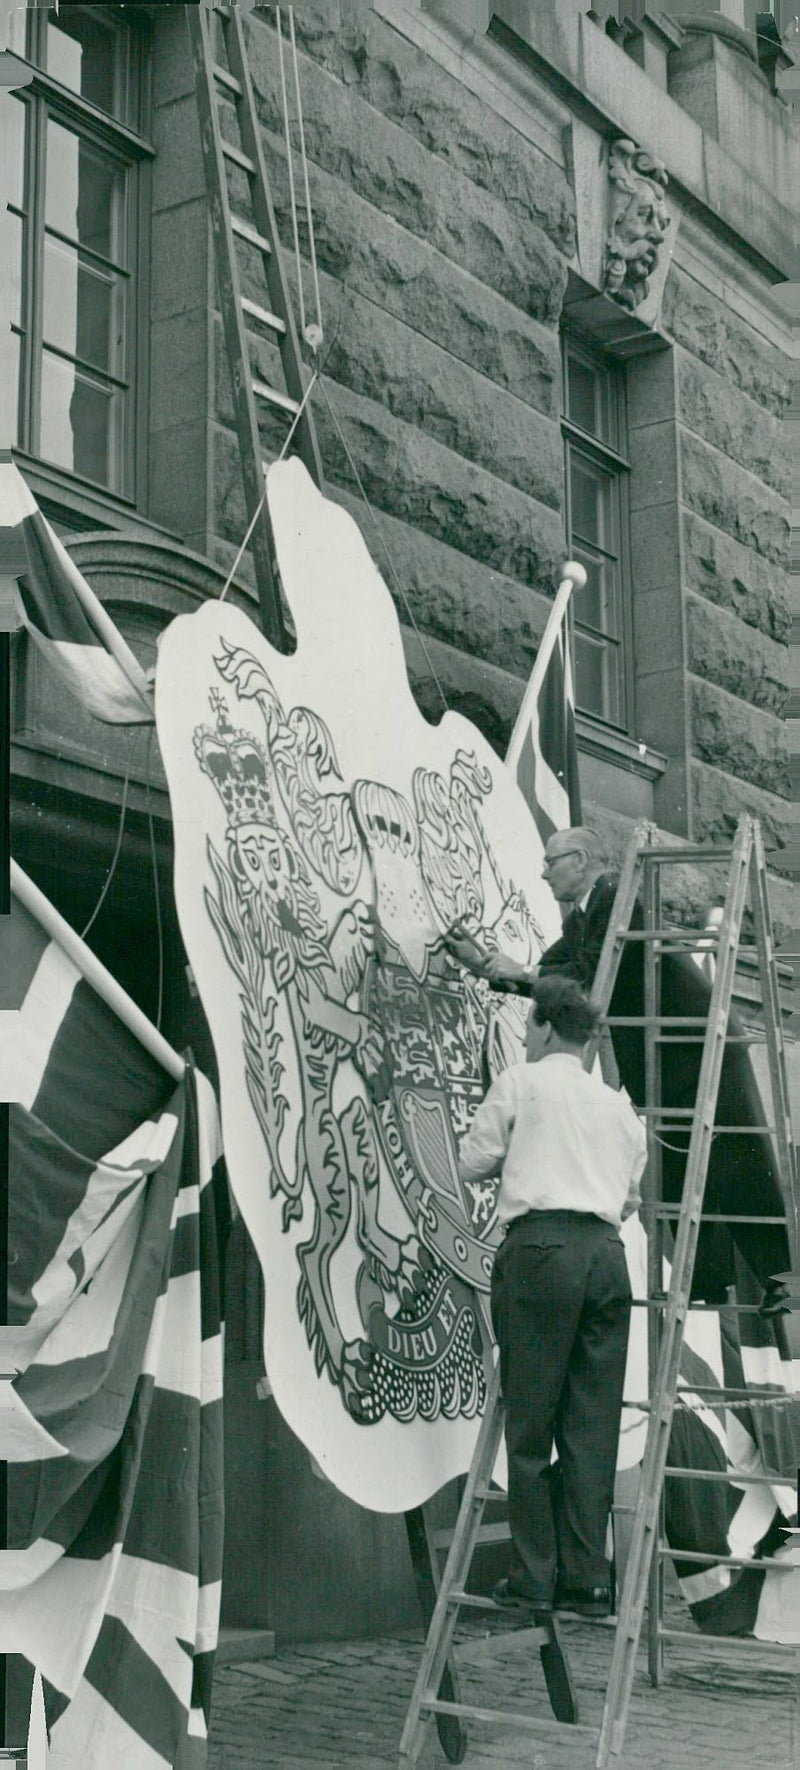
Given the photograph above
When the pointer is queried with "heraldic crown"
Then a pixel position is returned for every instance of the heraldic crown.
(238, 766)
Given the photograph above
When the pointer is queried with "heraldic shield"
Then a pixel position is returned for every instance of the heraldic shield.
(318, 875)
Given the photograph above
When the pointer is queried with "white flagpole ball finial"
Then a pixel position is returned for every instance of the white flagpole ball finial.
(575, 572)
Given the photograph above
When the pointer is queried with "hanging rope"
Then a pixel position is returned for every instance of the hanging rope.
(118, 845)
(312, 333)
(382, 544)
(312, 336)
(262, 500)
(290, 169)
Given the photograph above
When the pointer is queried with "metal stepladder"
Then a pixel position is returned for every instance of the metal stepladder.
(226, 107)
(641, 872)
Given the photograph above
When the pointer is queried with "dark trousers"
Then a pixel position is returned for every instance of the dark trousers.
(561, 1302)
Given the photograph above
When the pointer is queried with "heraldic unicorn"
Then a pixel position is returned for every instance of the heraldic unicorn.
(317, 882)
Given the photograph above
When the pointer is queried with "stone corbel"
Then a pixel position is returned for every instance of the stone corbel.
(626, 222)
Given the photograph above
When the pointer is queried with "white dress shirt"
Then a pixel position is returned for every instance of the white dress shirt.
(560, 1138)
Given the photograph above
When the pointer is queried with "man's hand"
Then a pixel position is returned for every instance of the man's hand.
(500, 969)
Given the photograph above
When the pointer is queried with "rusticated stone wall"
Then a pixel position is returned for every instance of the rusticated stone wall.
(733, 390)
(444, 236)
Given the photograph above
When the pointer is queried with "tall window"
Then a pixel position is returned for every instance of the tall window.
(70, 243)
(596, 475)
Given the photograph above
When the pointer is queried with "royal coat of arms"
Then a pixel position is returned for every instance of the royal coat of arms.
(319, 876)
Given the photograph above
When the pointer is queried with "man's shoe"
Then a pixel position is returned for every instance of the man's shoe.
(588, 1601)
(509, 1596)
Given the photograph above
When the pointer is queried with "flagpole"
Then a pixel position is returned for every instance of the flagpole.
(95, 973)
(574, 578)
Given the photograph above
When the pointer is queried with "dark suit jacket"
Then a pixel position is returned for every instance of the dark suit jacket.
(742, 1178)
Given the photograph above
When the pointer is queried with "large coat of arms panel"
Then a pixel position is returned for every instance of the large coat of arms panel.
(328, 840)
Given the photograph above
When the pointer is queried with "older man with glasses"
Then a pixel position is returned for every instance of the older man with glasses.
(574, 866)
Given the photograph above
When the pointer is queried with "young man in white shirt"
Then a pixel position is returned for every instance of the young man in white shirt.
(571, 1152)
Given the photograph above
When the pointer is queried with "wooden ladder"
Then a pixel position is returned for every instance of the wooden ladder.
(641, 872)
(243, 319)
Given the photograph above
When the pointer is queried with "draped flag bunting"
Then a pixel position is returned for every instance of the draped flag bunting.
(111, 1581)
(736, 1351)
(62, 614)
(544, 751)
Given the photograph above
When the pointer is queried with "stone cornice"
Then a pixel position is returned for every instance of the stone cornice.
(589, 75)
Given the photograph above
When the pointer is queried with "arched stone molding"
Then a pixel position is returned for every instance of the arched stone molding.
(143, 584)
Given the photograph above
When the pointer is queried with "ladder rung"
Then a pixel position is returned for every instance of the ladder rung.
(263, 315)
(473, 1601)
(707, 943)
(505, 1718)
(739, 1308)
(476, 1649)
(700, 1038)
(226, 79)
(673, 1113)
(671, 1213)
(719, 1397)
(491, 1493)
(729, 1131)
(657, 1020)
(702, 1560)
(739, 1643)
(729, 1393)
(239, 159)
(727, 1475)
(244, 231)
(274, 397)
(682, 854)
(488, 1533)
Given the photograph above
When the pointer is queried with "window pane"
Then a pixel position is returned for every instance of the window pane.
(13, 26)
(10, 315)
(86, 193)
(590, 398)
(9, 386)
(599, 603)
(593, 501)
(82, 423)
(84, 308)
(598, 679)
(85, 54)
(12, 159)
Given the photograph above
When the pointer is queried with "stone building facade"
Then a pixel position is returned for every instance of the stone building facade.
(549, 239)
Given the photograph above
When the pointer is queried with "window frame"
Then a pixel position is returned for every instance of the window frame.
(612, 459)
(44, 99)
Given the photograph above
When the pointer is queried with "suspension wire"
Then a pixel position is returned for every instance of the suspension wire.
(383, 545)
(262, 500)
(156, 891)
(308, 331)
(290, 168)
(118, 845)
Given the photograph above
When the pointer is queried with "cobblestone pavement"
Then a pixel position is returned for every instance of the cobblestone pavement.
(341, 1706)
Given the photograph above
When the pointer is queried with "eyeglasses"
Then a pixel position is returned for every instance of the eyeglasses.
(565, 852)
